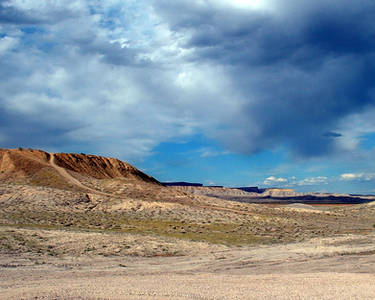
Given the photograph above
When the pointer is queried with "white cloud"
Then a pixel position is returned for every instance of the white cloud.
(263, 5)
(357, 176)
(354, 127)
(313, 181)
(350, 176)
(275, 180)
(7, 43)
(210, 152)
(88, 89)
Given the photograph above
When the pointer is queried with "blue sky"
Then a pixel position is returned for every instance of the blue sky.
(268, 93)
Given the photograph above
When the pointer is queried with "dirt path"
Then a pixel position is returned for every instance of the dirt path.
(64, 173)
(100, 286)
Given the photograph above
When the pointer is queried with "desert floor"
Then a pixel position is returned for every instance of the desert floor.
(340, 267)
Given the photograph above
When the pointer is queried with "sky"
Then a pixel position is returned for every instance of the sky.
(277, 93)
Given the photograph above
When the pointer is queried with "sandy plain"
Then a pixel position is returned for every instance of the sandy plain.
(341, 267)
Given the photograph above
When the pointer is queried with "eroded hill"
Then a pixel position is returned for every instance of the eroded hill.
(29, 165)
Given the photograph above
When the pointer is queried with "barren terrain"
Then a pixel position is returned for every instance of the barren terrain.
(76, 225)
(340, 267)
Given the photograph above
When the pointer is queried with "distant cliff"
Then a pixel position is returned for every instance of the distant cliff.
(181, 183)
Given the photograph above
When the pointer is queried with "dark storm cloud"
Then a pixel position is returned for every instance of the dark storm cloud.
(13, 16)
(23, 130)
(10, 14)
(302, 67)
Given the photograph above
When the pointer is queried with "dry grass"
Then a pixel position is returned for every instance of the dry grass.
(47, 241)
(215, 233)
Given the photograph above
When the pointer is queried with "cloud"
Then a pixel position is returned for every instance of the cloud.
(210, 152)
(313, 181)
(350, 176)
(120, 77)
(69, 87)
(7, 44)
(275, 180)
(293, 181)
(355, 127)
(39, 12)
(357, 176)
(210, 182)
(331, 134)
(299, 69)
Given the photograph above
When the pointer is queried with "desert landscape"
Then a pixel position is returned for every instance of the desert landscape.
(77, 226)
(188, 149)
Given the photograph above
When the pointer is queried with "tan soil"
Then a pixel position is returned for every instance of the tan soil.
(342, 267)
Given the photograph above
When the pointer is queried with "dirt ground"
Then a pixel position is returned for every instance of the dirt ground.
(341, 267)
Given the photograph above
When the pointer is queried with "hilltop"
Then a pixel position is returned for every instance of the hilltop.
(91, 174)
(35, 166)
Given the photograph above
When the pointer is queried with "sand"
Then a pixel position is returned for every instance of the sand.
(340, 267)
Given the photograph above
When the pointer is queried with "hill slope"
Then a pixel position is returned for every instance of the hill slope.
(59, 170)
